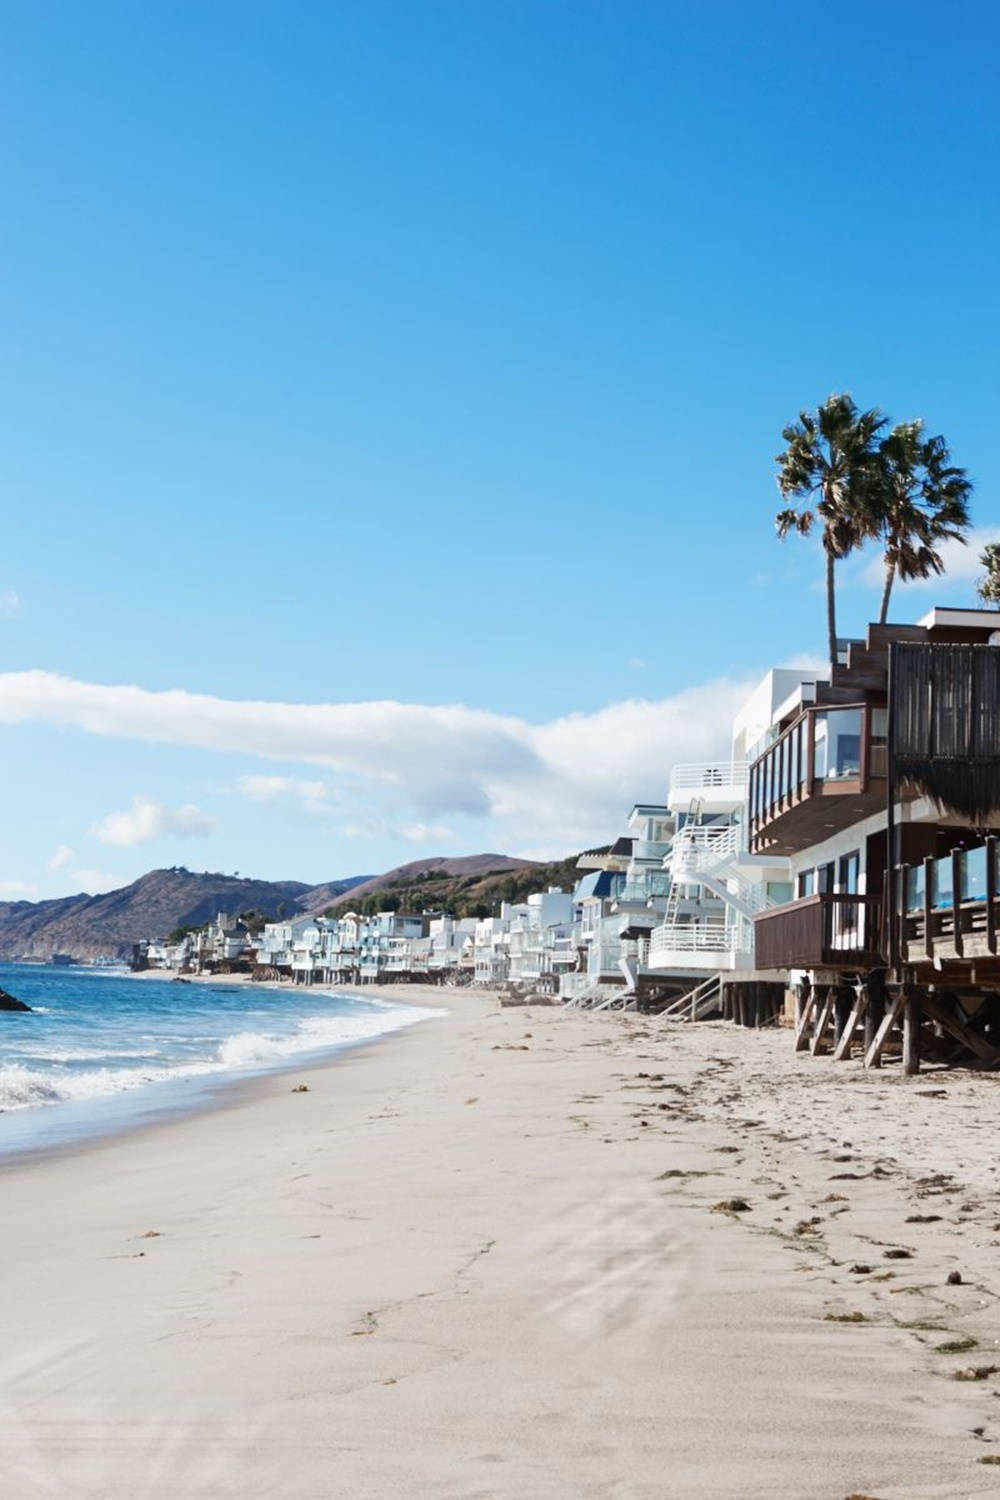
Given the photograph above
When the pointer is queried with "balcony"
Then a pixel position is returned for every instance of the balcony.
(718, 785)
(825, 772)
(828, 931)
(711, 944)
(654, 885)
(947, 908)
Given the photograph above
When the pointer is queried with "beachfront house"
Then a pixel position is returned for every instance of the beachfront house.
(452, 944)
(491, 948)
(278, 940)
(640, 901)
(541, 939)
(880, 786)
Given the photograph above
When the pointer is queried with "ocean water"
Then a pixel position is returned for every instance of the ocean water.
(102, 1049)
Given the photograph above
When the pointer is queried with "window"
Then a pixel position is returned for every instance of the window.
(847, 874)
(807, 883)
(824, 878)
(837, 748)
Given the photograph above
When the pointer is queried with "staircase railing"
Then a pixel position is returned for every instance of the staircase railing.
(697, 1003)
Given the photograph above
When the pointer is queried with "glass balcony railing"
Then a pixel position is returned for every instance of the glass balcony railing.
(654, 884)
(971, 869)
(825, 750)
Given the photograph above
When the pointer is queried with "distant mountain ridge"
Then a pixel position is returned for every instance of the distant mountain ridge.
(462, 866)
(472, 887)
(88, 927)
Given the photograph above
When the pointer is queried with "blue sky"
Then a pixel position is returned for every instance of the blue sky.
(438, 353)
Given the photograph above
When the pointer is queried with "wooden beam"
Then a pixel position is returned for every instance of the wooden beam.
(816, 1045)
(928, 907)
(956, 900)
(955, 1026)
(858, 1014)
(911, 1031)
(897, 928)
(844, 999)
(805, 1001)
(875, 1009)
(874, 1053)
(991, 891)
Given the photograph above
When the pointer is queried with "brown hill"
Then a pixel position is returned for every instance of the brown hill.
(462, 867)
(89, 926)
(427, 885)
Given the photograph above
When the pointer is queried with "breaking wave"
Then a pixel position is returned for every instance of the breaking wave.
(63, 1075)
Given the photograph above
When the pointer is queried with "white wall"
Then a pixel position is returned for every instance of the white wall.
(757, 713)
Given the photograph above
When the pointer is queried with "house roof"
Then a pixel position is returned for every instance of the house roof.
(597, 883)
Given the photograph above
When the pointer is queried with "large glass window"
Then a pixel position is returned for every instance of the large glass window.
(837, 753)
(844, 737)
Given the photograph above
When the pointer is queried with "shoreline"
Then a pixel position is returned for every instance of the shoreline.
(71, 1127)
(488, 1261)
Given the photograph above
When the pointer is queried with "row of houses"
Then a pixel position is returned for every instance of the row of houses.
(836, 864)
(529, 944)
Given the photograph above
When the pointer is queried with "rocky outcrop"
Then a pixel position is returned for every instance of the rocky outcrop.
(7, 1002)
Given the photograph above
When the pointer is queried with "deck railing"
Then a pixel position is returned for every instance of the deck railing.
(707, 776)
(947, 908)
(831, 930)
(713, 936)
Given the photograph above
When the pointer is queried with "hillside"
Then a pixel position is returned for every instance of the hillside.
(463, 888)
(467, 866)
(89, 926)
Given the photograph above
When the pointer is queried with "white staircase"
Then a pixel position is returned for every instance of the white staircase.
(697, 1003)
(710, 854)
(630, 968)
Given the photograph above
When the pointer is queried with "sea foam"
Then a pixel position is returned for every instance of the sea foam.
(48, 1069)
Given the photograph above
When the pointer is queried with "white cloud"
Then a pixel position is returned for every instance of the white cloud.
(409, 833)
(636, 663)
(10, 603)
(807, 661)
(146, 820)
(567, 781)
(62, 856)
(315, 796)
(961, 564)
(96, 882)
(17, 890)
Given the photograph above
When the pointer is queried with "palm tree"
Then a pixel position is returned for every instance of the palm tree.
(830, 463)
(924, 501)
(988, 588)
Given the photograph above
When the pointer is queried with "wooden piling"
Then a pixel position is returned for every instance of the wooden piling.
(875, 987)
(911, 1031)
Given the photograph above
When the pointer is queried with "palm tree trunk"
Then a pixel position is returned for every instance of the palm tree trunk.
(831, 610)
(890, 574)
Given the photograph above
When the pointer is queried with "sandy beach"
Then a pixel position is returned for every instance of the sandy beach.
(517, 1252)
